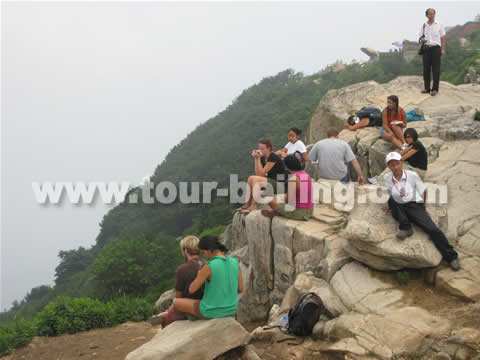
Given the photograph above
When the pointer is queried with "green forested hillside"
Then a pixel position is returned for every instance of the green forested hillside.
(211, 152)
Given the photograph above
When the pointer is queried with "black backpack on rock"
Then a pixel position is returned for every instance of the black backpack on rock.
(303, 317)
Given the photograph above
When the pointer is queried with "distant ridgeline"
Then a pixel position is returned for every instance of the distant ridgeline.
(215, 149)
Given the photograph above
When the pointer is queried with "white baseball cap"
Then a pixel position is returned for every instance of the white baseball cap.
(393, 156)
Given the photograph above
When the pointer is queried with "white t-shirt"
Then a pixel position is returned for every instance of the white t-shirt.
(297, 146)
(433, 33)
(409, 188)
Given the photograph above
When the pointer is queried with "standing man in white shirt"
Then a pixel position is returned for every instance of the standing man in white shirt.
(433, 35)
(407, 205)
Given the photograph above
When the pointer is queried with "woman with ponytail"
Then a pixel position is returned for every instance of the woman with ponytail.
(223, 282)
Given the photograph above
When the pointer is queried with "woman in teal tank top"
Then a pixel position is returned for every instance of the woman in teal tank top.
(222, 279)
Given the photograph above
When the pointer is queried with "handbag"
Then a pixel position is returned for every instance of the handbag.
(421, 51)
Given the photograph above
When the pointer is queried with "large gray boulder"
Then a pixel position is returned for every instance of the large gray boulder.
(399, 332)
(360, 291)
(192, 340)
(370, 236)
(165, 300)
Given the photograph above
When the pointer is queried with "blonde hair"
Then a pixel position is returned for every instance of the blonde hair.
(190, 243)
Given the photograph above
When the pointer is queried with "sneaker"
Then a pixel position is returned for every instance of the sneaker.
(374, 180)
(403, 234)
(434, 92)
(454, 265)
(425, 91)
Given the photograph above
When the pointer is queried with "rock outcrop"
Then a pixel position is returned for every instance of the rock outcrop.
(449, 114)
(370, 236)
(342, 252)
(189, 340)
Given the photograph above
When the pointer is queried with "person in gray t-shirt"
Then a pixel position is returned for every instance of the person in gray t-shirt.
(333, 155)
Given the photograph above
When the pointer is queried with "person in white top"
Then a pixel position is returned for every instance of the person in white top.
(432, 34)
(294, 144)
(406, 203)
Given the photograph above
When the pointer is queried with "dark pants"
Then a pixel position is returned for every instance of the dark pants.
(431, 63)
(413, 212)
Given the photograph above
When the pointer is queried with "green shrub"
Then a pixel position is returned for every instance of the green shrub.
(71, 315)
(68, 316)
(15, 334)
(402, 277)
(131, 309)
(477, 115)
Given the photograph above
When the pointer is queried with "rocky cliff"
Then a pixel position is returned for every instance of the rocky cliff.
(348, 253)
(341, 253)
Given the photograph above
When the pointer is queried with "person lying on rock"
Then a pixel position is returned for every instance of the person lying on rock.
(222, 278)
(367, 116)
(269, 169)
(184, 276)
(394, 119)
(299, 196)
(407, 206)
(415, 155)
(294, 144)
(333, 155)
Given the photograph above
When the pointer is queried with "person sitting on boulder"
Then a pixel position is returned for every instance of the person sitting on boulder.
(294, 144)
(367, 116)
(299, 197)
(269, 169)
(332, 155)
(184, 276)
(394, 120)
(415, 153)
(222, 278)
(407, 206)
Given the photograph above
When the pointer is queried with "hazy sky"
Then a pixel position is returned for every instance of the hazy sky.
(102, 91)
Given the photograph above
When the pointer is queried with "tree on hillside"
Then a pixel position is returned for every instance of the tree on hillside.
(134, 265)
(71, 262)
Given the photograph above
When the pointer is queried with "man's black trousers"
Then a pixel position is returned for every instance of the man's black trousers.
(413, 212)
(431, 64)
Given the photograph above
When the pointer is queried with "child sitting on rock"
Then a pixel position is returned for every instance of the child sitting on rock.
(299, 197)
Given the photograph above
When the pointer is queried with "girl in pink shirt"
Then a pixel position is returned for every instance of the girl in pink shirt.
(299, 197)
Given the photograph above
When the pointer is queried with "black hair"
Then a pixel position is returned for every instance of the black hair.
(426, 11)
(293, 163)
(296, 131)
(350, 119)
(210, 242)
(394, 98)
(411, 132)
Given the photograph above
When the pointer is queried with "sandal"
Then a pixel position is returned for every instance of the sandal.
(157, 320)
(270, 213)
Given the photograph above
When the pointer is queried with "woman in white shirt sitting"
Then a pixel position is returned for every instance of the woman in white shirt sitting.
(294, 144)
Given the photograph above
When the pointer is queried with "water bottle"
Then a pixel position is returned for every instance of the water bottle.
(284, 322)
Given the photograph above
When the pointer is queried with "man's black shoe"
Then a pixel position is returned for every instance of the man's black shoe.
(455, 265)
(403, 234)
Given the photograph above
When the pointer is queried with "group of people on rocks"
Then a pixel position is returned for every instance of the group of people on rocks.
(284, 171)
(210, 289)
